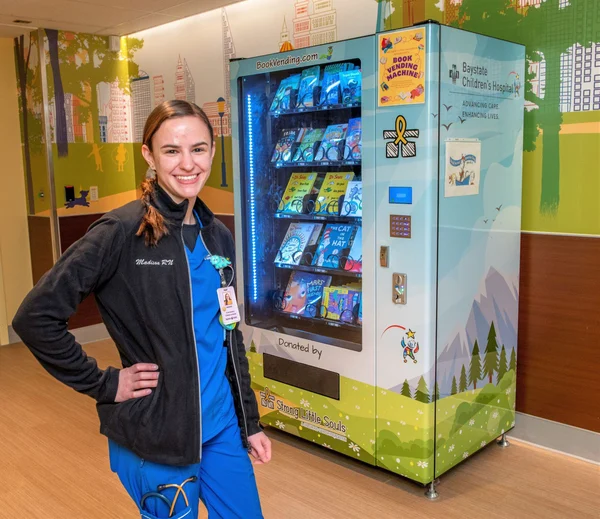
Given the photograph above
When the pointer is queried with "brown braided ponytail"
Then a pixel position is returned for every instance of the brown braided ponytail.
(153, 226)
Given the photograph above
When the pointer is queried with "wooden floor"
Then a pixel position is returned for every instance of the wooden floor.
(54, 464)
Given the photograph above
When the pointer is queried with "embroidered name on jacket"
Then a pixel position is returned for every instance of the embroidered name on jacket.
(160, 263)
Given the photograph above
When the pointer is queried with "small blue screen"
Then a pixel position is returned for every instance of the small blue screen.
(400, 195)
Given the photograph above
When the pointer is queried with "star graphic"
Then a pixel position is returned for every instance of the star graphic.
(410, 334)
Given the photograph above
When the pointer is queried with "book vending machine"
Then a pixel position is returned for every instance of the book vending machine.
(377, 186)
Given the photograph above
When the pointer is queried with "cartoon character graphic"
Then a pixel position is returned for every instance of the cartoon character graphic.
(416, 92)
(80, 200)
(321, 249)
(386, 44)
(295, 297)
(96, 154)
(291, 250)
(120, 157)
(410, 347)
(328, 55)
(418, 36)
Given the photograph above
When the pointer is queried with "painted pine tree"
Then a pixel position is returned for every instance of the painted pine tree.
(453, 391)
(475, 366)
(513, 360)
(437, 392)
(490, 359)
(406, 389)
(462, 383)
(422, 393)
(502, 365)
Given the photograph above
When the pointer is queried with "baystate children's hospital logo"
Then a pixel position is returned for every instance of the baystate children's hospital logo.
(454, 74)
(409, 343)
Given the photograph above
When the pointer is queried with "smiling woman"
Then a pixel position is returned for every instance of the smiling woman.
(178, 145)
(181, 411)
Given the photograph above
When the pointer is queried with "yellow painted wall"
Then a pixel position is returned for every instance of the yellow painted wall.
(15, 263)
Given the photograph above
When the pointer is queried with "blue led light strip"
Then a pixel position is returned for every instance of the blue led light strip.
(252, 202)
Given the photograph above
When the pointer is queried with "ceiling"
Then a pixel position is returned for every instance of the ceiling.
(107, 17)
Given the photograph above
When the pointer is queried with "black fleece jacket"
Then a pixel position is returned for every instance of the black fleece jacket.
(144, 296)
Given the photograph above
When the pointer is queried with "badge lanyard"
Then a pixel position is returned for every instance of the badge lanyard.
(230, 314)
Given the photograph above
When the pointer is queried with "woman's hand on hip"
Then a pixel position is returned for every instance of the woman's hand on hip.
(260, 448)
(136, 381)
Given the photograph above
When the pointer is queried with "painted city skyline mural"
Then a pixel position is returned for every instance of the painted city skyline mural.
(562, 96)
(106, 103)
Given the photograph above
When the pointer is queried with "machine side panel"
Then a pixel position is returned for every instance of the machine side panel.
(481, 117)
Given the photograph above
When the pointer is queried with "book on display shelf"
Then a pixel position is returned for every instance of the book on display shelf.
(298, 237)
(304, 292)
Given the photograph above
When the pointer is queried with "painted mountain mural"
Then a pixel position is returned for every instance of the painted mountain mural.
(497, 303)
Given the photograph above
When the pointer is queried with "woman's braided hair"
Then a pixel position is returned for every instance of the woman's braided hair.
(153, 226)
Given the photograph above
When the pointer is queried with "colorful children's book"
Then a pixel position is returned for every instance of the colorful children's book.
(350, 84)
(330, 90)
(282, 98)
(353, 149)
(285, 145)
(297, 238)
(308, 82)
(352, 205)
(299, 185)
(306, 150)
(341, 303)
(333, 187)
(333, 245)
(331, 142)
(354, 261)
(304, 293)
(334, 302)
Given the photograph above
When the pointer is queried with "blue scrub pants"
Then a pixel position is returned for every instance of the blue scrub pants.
(226, 483)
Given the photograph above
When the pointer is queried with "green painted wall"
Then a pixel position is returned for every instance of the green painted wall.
(561, 186)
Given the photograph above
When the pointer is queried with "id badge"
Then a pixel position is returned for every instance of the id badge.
(228, 305)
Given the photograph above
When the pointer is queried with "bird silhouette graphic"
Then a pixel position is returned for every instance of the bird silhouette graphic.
(461, 119)
(447, 126)
(434, 115)
(499, 207)
(485, 221)
(447, 107)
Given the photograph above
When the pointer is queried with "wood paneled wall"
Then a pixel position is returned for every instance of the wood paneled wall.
(558, 357)
(40, 246)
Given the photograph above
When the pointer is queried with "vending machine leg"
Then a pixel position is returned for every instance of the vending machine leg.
(431, 491)
(503, 442)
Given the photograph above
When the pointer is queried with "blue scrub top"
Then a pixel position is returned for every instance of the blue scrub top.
(217, 401)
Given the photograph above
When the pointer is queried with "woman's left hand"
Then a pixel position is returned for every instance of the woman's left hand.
(260, 448)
